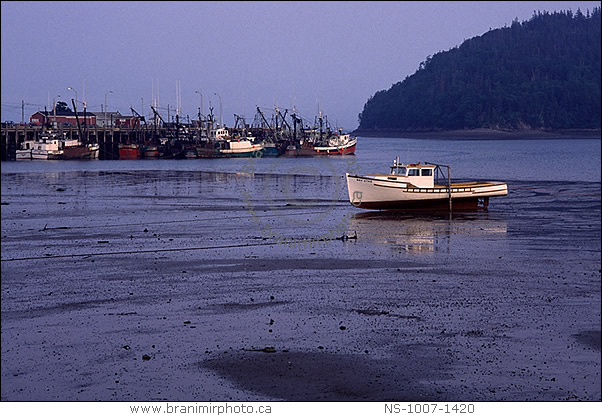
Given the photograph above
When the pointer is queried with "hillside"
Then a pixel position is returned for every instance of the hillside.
(542, 74)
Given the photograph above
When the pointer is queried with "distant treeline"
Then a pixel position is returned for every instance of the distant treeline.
(540, 74)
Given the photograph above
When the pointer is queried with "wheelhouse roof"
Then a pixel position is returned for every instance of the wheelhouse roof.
(415, 165)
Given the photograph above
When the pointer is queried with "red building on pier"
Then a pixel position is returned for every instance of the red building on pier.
(62, 118)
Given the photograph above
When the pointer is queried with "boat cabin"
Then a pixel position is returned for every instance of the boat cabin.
(70, 143)
(419, 175)
(220, 134)
(27, 144)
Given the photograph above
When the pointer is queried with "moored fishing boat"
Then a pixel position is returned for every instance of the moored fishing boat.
(24, 151)
(48, 147)
(190, 151)
(150, 151)
(75, 150)
(415, 186)
(291, 150)
(241, 148)
(271, 149)
(304, 149)
(129, 151)
(333, 146)
(337, 144)
(208, 149)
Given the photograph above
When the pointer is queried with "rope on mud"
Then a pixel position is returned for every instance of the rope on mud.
(295, 242)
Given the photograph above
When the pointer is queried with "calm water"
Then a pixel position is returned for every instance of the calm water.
(523, 160)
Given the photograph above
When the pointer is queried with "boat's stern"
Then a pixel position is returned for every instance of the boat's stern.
(492, 189)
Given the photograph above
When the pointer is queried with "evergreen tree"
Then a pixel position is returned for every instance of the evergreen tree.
(540, 74)
(62, 107)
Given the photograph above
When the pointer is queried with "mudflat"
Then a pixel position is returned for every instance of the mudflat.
(192, 286)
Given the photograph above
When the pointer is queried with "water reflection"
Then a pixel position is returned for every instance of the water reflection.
(424, 233)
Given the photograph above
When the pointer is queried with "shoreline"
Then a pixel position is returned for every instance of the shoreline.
(484, 134)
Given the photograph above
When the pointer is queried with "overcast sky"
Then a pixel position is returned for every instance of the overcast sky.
(331, 56)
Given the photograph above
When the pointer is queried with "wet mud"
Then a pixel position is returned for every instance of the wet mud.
(201, 286)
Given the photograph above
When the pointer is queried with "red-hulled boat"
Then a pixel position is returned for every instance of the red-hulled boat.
(338, 144)
(334, 145)
(129, 151)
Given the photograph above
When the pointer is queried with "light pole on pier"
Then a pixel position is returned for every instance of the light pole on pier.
(73, 89)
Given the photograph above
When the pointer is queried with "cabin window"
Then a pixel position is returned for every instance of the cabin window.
(413, 172)
(427, 172)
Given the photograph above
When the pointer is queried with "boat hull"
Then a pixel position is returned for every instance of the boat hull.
(129, 151)
(290, 151)
(77, 153)
(310, 150)
(242, 149)
(38, 154)
(247, 154)
(272, 150)
(23, 155)
(336, 150)
(379, 193)
(208, 153)
(150, 151)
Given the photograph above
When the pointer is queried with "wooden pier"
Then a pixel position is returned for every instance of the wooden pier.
(108, 138)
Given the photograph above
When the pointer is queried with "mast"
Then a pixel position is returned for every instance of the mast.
(85, 141)
(320, 120)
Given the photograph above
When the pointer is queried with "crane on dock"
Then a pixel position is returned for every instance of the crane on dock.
(135, 114)
(157, 115)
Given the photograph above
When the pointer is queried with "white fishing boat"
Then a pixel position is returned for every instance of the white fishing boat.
(337, 144)
(24, 151)
(48, 147)
(243, 147)
(56, 146)
(417, 186)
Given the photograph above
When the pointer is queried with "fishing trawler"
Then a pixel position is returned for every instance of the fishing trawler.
(416, 186)
(76, 150)
(337, 144)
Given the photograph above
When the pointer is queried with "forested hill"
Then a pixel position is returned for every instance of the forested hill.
(542, 74)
